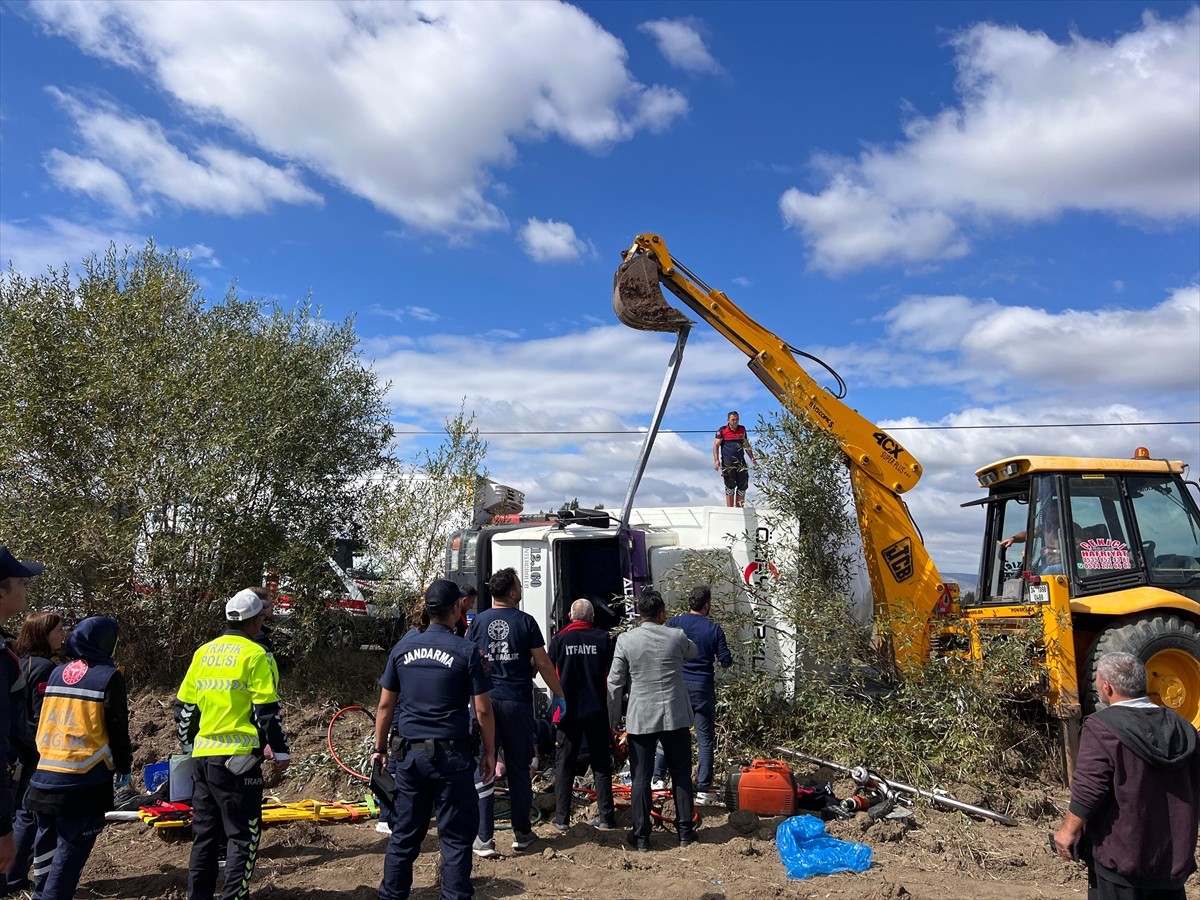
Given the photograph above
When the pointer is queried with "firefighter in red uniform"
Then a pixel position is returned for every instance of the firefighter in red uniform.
(82, 739)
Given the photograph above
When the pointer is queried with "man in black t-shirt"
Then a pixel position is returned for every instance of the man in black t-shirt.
(582, 653)
(513, 644)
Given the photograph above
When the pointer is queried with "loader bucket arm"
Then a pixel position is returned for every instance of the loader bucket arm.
(906, 584)
(639, 303)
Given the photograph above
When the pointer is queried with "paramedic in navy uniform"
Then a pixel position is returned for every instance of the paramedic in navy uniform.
(429, 679)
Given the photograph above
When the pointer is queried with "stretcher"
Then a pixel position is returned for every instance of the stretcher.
(163, 814)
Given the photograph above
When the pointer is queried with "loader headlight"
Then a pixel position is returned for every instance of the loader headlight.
(988, 478)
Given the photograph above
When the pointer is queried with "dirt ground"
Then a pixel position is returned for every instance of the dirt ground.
(941, 856)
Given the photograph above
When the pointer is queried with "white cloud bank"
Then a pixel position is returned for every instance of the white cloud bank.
(132, 150)
(52, 242)
(1042, 128)
(682, 44)
(550, 241)
(409, 105)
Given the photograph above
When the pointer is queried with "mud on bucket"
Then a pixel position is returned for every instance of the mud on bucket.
(638, 300)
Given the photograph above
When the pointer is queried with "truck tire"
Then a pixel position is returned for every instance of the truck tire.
(1169, 645)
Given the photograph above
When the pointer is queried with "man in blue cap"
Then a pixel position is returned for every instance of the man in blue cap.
(14, 581)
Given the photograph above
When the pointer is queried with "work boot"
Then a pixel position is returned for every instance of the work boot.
(601, 824)
(641, 845)
(687, 835)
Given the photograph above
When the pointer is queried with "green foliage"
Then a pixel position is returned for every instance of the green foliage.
(956, 720)
(160, 451)
(412, 509)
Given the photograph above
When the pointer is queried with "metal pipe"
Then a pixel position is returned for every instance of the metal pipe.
(660, 408)
(862, 775)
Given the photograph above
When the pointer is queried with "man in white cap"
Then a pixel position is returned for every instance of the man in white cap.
(14, 580)
(229, 713)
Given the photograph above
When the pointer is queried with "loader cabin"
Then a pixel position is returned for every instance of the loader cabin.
(1107, 553)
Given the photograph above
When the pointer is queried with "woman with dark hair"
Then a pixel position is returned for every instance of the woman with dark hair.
(41, 638)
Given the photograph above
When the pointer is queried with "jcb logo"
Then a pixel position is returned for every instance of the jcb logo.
(888, 444)
(899, 559)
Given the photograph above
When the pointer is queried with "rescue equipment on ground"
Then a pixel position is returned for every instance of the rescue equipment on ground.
(898, 791)
(165, 814)
(766, 787)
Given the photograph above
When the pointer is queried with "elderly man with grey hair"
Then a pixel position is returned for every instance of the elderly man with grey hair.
(581, 654)
(1135, 792)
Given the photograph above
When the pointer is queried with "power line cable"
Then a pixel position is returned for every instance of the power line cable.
(894, 428)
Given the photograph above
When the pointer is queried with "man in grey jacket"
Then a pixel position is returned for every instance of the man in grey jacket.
(650, 660)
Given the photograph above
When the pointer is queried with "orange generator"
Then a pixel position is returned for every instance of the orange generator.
(766, 787)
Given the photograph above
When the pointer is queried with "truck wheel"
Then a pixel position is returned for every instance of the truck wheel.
(341, 636)
(1170, 648)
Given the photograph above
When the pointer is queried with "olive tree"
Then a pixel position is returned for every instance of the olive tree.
(412, 508)
(161, 450)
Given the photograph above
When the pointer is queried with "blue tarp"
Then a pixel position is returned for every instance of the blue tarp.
(806, 850)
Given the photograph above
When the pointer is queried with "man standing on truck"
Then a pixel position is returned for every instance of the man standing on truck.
(1135, 793)
(699, 679)
(513, 644)
(731, 449)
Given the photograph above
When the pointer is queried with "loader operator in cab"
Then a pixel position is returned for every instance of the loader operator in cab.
(1048, 534)
(731, 449)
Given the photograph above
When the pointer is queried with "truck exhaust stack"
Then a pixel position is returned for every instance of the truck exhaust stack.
(638, 301)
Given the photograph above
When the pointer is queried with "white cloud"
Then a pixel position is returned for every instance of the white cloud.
(201, 255)
(91, 177)
(410, 105)
(550, 241)
(850, 226)
(1003, 352)
(1041, 128)
(680, 41)
(131, 149)
(31, 248)
(400, 314)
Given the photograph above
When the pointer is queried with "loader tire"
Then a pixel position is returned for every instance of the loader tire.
(1169, 646)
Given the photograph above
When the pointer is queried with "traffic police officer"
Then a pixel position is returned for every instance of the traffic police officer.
(82, 740)
(228, 714)
(429, 679)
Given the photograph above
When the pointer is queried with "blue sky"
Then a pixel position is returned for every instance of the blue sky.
(983, 215)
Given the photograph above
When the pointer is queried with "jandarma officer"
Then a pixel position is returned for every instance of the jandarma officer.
(430, 678)
(228, 712)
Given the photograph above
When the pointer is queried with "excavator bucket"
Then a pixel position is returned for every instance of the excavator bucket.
(638, 300)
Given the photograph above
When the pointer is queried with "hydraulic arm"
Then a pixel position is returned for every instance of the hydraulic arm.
(908, 590)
